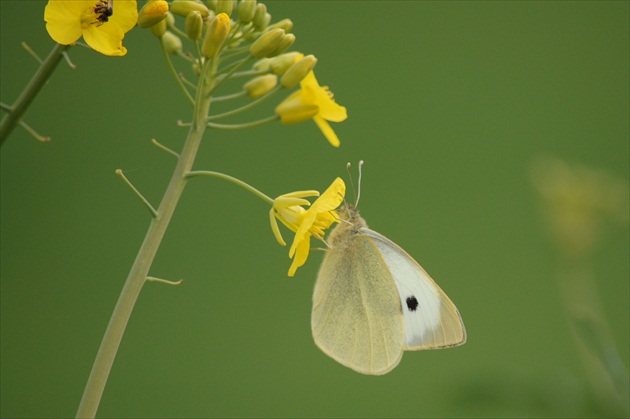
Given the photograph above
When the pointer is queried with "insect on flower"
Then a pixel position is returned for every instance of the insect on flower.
(104, 9)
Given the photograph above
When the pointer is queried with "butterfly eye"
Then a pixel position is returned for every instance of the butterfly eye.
(412, 303)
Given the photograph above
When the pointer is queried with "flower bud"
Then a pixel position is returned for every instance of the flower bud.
(266, 43)
(172, 43)
(282, 62)
(159, 29)
(260, 20)
(298, 71)
(224, 6)
(293, 112)
(260, 85)
(263, 65)
(286, 24)
(217, 32)
(284, 44)
(170, 19)
(152, 13)
(246, 10)
(183, 7)
(194, 25)
(212, 4)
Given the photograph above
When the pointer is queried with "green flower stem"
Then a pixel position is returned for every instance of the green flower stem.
(163, 147)
(233, 180)
(164, 281)
(245, 125)
(227, 76)
(33, 87)
(236, 52)
(250, 73)
(178, 79)
(244, 108)
(32, 53)
(140, 269)
(145, 201)
(178, 31)
(230, 97)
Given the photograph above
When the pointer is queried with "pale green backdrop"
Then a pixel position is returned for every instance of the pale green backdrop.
(449, 105)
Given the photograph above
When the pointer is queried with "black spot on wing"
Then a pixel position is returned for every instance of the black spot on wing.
(412, 303)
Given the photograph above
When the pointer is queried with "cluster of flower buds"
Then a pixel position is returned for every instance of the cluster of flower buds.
(228, 24)
(233, 33)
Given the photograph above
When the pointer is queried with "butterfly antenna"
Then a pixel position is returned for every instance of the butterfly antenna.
(354, 191)
(358, 195)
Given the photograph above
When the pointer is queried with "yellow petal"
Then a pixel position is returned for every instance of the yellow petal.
(331, 111)
(275, 229)
(332, 197)
(125, 15)
(63, 20)
(106, 39)
(294, 109)
(301, 255)
(327, 131)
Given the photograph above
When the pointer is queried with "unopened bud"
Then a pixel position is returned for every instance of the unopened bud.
(246, 10)
(266, 43)
(224, 6)
(298, 71)
(194, 25)
(260, 20)
(284, 44)
(280, 64)
(217, 32)
(170, 19)
(152, 13)
(159, 29)
(263, 65)
(286, 24)
(172, 43)
(183, 7)
(260, 85)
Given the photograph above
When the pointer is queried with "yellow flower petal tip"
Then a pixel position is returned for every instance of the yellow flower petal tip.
(315, 102)
(102, 23)
(306, 223)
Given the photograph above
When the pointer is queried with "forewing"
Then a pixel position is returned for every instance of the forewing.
(356, 316)
(431, 320)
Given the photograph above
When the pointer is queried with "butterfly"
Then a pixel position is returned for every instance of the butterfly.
(372, 301)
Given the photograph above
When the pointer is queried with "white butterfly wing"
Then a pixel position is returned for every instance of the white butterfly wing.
(431, 320)
(356, 316)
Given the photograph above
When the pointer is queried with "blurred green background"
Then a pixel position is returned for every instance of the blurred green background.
(450, 104)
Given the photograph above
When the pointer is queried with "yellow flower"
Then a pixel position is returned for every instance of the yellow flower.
(315, 102)
(305, 223)
(102, 23)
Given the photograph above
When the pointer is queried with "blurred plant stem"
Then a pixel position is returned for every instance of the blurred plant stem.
(140, 269)
(13, 117)
(578, 201)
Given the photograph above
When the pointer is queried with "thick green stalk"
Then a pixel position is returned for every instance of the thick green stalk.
(140, 269)
(33, 87)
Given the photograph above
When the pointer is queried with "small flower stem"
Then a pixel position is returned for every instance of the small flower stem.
(33, 87)
(163, 147)
(233, 180)
(171, 67)
(32, 53)
(245, 125)
(228, 75)
(164, 281)
(139, 271)
(145, 201)
(230, 97)
(250, 105)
